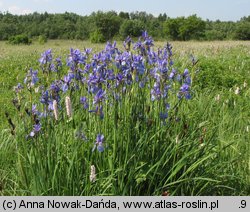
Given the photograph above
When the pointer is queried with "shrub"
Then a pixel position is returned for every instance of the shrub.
(42, 39)
(20, 39)
(97, 37)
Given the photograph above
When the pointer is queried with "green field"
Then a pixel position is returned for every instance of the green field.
(202, 149)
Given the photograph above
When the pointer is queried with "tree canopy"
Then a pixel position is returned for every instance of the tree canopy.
(102, 26)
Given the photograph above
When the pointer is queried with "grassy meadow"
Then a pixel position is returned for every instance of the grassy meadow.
(201, 147)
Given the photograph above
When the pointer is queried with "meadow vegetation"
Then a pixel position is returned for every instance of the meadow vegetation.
(130, 125)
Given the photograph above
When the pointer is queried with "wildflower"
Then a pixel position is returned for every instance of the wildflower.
(67, 80)
(92, 176)
(68, 106)
(55, 110)
(18, 88)
(217, 98)
(75, 57)
(46, 57)
(184, 91)
(163, 116)
(186, 72)
(237, 91)
(37, 90)
(34, 110)
(99, 96)
(172, 74)
(55, 87)
(202, 145)
(45, 98)
(156, 92)
(58, 62)
(84, 102)
(31, 78)
(127, 43)
(245, 84)
(177, 140)
(87, 51)
(193, 60)
(36, 129)
(99, 111)
(99, 143)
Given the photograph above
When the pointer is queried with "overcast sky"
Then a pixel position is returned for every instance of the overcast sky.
(225, 10)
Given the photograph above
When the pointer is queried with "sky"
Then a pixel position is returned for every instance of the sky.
(224, 10)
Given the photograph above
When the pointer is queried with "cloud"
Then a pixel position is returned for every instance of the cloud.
(19, 11)
(1, 3)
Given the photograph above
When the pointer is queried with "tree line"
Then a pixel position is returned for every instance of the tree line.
(102, 26)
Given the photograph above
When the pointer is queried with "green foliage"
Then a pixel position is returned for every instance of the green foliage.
(220, 72)
(191, 28)
(205, 152)
(243, 31)
(131, 28)
(171, 28)
(214, 35)
(107, 24)
(110, 25)
(20, 39)
(97, 37)
(42, 39)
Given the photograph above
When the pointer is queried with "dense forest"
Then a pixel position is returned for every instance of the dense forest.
(103, 26)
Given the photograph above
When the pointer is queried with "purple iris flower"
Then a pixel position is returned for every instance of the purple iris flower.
(164, 116)
(67, 81)
(34, 110)
(168, 49)
(99, 143)
(18, 88)
(178, 77)
(31, 78)
(98, 111)
(119, 79)
(87, 51)
(186, 76)
(100, 95)
(111, 48)
(46, 57)
(110, 74)
(55, 87)
(139, 45)
(172, 74)
(138, 64)
(156, 92)
(127, 43)
(75, 57)
(84, 102)
(186, 72)
(36, 130)
(59, 62)
(188, 80)
(144, 34)
(184, 91)
(45, 97)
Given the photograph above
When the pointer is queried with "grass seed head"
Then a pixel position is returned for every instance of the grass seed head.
(68, 106)
(92, 176)
(56, 115)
